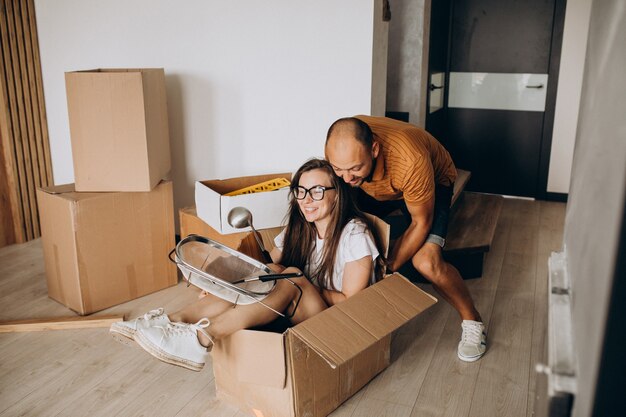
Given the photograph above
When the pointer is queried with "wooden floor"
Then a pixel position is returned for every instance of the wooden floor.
(86, 373)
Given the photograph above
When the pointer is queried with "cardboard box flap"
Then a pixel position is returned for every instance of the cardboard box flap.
(232, 184)
(339, 333)
(68, 192)
(59, 189)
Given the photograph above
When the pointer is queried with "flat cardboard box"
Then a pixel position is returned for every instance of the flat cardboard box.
(268, 208)
(118, 128)
(191, 224)
(103, 249)
(313, 367)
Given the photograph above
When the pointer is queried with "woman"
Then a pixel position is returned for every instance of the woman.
(326, 237)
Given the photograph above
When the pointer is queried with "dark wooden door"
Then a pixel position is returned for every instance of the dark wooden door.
(500, 85)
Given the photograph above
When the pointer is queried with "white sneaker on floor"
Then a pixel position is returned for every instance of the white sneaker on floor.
(176, 343)
(473, 341)
(123, 331)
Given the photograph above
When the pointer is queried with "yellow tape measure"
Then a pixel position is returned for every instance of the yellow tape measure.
(271, 185)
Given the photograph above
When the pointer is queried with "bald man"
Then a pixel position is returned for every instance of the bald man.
(397, 165)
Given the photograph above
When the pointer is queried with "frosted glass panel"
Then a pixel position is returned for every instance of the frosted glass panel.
(483, 90)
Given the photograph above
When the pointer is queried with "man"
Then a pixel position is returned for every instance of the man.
(398, 165)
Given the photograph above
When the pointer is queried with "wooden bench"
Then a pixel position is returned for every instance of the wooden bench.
(473, 220)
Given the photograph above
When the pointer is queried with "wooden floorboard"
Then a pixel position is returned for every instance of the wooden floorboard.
(85, 372)
(502, 383)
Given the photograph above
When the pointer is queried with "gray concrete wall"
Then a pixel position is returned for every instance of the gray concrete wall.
(407, 65)
(595, 210)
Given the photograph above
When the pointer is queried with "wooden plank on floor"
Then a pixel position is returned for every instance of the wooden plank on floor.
(59, 323)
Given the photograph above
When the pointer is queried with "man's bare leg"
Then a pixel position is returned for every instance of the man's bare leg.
(446, 279)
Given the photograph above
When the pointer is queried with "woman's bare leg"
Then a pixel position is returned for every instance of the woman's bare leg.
(282, 298)
(226, 318)
(209, 306)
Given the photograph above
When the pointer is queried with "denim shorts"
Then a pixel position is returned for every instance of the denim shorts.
(441, 212)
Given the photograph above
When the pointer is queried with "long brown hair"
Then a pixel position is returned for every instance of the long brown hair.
(300, 235)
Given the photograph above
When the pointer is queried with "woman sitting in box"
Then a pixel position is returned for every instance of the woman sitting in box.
(327, 238)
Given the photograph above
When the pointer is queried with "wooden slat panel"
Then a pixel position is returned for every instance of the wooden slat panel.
(7, 234)
(11, 125)
(10, 210)
(39, 107)
(30, 95)
(22, 154)
(25, 147)
(26, 122)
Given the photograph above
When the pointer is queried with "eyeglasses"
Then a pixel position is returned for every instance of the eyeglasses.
(316, 192)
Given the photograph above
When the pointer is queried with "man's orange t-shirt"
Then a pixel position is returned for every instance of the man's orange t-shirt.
(413, 162)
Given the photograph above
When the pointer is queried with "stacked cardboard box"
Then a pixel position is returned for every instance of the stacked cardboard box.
(106, 238)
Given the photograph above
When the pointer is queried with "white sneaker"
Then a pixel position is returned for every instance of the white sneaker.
(176, 343)
(473, 341)
(123, 331)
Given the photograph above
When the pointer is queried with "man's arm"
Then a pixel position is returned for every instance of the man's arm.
(415, 235)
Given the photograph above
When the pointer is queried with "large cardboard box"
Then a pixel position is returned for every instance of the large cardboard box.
(118, 128)
(102, 249)
(311, 368)
(268, 208)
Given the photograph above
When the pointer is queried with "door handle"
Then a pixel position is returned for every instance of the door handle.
(535, 86)
(435, 87)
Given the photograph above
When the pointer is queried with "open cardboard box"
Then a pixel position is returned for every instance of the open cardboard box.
(268, 208)
(311, 368)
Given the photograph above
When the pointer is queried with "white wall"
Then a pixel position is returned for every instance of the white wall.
(577, 15)
(252, 85)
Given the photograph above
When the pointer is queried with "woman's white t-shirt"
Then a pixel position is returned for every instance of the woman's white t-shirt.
(356, 242)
